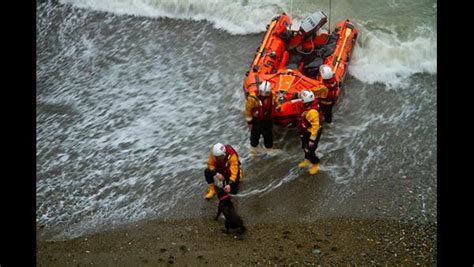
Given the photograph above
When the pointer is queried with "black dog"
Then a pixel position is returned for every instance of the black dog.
(232, 219)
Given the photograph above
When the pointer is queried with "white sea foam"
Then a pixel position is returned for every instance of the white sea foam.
(236, 17)
(381, 56)
(274, 184)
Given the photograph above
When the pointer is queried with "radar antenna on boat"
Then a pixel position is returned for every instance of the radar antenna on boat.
(329, 18)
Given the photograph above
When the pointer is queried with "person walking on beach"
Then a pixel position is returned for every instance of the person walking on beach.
(309, 123)
(257, 113)
(224, 165)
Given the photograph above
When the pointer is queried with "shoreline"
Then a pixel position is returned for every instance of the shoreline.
(200, 241)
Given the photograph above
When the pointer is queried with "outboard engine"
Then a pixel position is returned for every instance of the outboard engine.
(313, 23)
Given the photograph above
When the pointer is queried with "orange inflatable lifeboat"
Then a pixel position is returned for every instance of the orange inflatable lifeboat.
(290, 70)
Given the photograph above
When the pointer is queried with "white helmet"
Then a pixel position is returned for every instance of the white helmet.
(326, 72)
(307, 96)
(218, 150)
(264, 88)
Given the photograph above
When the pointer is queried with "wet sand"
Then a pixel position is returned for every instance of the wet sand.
(201, 242)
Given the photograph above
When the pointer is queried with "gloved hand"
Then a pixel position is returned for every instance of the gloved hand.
(250, 125)
(227, 188)
(219, 176)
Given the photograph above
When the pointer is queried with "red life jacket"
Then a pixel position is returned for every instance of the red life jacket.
(223, 166)
(263, 111)
(333, 90)
(303, 123)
